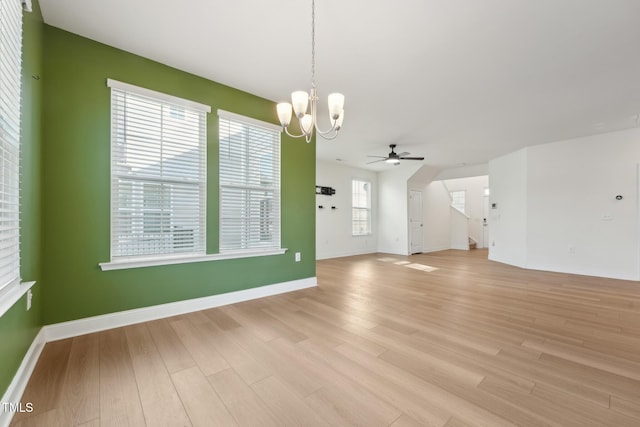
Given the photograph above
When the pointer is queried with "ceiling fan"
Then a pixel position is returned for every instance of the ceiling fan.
(394, 158)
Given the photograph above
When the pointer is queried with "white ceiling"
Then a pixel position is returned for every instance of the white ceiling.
(456, 81)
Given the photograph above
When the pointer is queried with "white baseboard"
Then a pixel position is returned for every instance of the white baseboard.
(345, 254)
(88, 325)
(21, 378)
(392, 251)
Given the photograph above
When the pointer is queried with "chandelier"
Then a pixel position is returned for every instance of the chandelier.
(304, 105)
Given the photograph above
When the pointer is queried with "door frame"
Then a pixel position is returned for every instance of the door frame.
(421, 221)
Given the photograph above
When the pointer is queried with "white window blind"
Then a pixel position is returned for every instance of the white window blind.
(249, 183)
(158, 173)
(360, 207)
(10, 82)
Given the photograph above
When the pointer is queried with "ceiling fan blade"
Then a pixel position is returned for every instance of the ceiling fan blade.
(376, 161)
(404, 153)
(380, 157)
(411, 158)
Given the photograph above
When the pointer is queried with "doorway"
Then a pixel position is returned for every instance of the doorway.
(415, 222)
(485, 220)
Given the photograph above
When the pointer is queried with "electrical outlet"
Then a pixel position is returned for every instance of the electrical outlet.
(29, 298)
(298, 257)
(572, 249)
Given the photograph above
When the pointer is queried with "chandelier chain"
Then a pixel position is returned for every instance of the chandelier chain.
(313, 43)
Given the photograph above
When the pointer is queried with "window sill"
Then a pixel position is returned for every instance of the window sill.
(13, 296)
(150, 262)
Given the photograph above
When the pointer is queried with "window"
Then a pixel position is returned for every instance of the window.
(360, 207)
(158, 173)
(458, 199)
(10, 86)
(249, 183)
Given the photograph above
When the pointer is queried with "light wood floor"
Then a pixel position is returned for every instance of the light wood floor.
(449, 340)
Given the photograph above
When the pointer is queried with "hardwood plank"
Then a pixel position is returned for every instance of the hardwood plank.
(594, 359)
(288, 408)
(160, 401)
(297, 378)
(80, 399)
(261, 324)
(564, 398)
(221, 319)
(243, 403)
(627, 407)
(45, 384)
(200, 400)
(397, 394)
(354, 396)
(199, 346)
(40, 419)
(406, 421)
(243, 363)
(173, 352)
(119, 399)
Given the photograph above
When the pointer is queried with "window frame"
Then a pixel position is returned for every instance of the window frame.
(11, 18)
(227, 185)
(165, 183)
(464, 199)
(366, 208)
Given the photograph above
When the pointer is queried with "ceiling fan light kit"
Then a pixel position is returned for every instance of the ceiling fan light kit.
(301, 102)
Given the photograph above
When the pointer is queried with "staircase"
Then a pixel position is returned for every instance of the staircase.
(472, 244)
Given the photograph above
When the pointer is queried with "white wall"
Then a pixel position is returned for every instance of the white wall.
(437, 217)
(474, 194)
(393, 224)
(333, 226)
(572, 187)
(557, 209)
(508, 222)
(458, 229)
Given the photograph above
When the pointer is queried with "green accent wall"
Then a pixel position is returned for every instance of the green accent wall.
(76, 187)
(18, 327)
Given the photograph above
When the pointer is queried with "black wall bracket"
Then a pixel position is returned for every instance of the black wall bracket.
(326, 191)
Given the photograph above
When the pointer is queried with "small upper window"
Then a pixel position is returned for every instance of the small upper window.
(158, 173)
(458, 200)
(360, 207)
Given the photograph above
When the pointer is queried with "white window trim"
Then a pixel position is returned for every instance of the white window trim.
(122, 264)
(249, 120)
(243, 253)
(14, 289)
(370, 232)
(13, 295)
(158, 95)
(161, 97)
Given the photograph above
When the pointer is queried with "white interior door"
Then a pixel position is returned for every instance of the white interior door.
(415, 221)
(485, 222)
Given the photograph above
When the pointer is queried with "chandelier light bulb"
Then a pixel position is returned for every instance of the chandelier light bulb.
(300, 100)
(306, 123)
(284, 113)
(336, 105)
